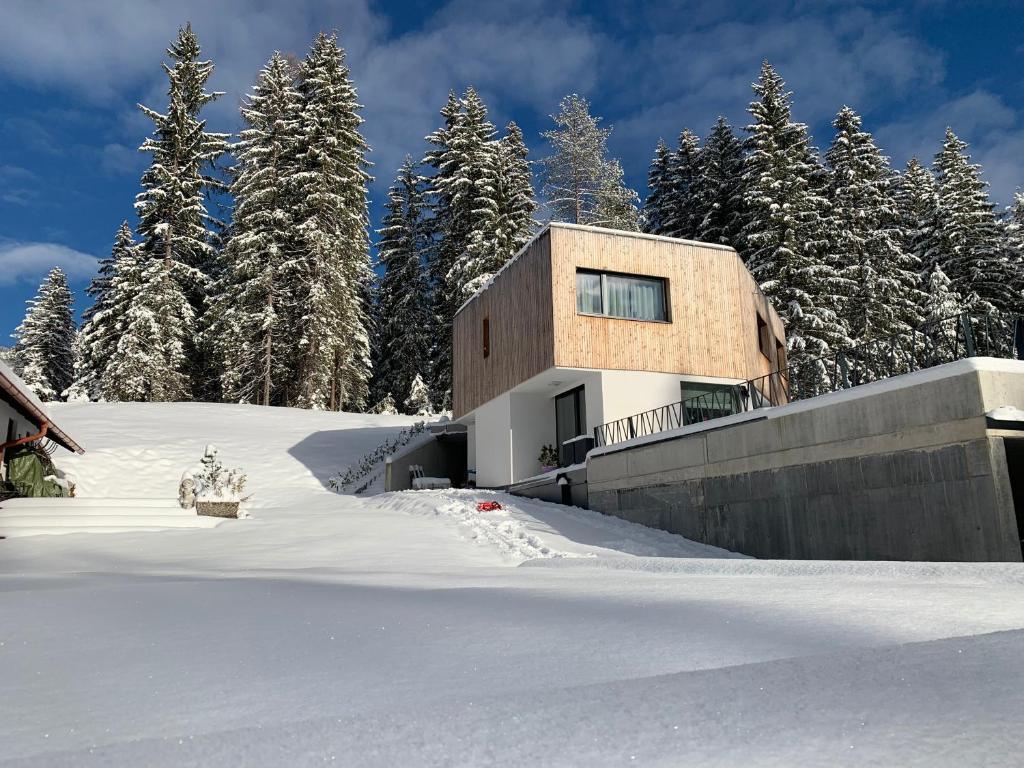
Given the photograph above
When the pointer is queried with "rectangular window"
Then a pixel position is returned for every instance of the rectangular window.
(708, 401)
(626, 296)
(780, 355)
(487, 337)
(764, 337)
(570, 416)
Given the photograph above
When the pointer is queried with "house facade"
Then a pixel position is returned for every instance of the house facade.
(23, 418)
(585, 326)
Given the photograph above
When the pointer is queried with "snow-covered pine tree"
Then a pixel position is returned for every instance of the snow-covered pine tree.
(1013, 235)
(461, 153)
(173, 221)
(250, 326)
(867, 238)
(917, 197)
(581, 183)
(658, 185)
(150, 360)
(504, 216)
(332, 242)
(941, 301)
(719, 186)
(682, 214)
(401, 341)
(45, 338)
(97, 339)
(418, 402)
(785, 237)
(968, 243)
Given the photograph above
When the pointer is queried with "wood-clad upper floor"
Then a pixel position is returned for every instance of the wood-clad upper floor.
(712, 319)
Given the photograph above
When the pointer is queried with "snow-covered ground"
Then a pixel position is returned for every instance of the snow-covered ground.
(408, 629)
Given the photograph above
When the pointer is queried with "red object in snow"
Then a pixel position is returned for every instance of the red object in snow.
(487, 506)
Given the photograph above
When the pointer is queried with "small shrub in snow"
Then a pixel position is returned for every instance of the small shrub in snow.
(386, 406)
(210, 481)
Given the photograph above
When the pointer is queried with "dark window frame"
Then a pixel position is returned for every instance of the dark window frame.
(764, 337)
(602, 273)
(579, 396)
(781, 360)
(487, 336)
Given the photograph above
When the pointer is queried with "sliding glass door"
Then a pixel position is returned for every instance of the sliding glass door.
(570, 416)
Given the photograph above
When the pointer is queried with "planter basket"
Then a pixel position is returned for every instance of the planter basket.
(217, 508)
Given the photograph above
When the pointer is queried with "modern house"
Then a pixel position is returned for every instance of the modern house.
(586, 326)
(24, 418)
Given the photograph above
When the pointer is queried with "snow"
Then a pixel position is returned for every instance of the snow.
(408, 629)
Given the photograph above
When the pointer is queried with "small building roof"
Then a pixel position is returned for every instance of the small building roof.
(16, 392)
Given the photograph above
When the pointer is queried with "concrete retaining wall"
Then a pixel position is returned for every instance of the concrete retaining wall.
(904, 469)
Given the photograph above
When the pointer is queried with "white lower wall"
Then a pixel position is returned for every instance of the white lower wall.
(494, 442)
(533, 420)
(471, 446)
(624, 393)
(507, 433)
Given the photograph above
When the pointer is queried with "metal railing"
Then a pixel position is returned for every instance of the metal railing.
(934, 343)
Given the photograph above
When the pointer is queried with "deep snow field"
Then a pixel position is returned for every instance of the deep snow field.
(408, 629)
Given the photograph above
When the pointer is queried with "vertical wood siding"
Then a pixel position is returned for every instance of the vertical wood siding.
(531, 306)
(518, 308)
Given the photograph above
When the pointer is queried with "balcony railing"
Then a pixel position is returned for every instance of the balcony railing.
(934, 343)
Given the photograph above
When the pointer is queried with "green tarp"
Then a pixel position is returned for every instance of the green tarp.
(26, 469)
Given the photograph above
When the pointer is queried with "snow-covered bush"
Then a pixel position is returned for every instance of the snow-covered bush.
(210, 481)
(418, 401)
(344, 481)
(386, 406)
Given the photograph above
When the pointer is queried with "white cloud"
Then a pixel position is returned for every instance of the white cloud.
(981, 118)
(30, 262)
(854, 57)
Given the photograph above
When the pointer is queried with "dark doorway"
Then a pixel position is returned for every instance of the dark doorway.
(1015, 467)
(570, 417)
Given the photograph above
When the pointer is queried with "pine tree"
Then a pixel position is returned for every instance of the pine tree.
(418, 402)
(504, 213)
(659, 185)
(250, 324)
(719, 186)
(45, 338)
(917, 197)
(581, 183)
(462, 151)
(968, 244)
(173, 221)
(682, 213)
(150, 360)
(332, 242)
(941, 300)
(786, 235)
(867, 237)
(1013, 234)
(97, 339)
(402, 342)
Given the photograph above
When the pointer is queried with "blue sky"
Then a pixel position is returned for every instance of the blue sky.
(72, 72)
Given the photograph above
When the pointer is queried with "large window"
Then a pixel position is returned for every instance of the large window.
(570, 416)
(709, 401)
(627, 296)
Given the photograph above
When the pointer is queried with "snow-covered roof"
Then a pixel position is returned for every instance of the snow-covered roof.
(586, 228)
(16, 391)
